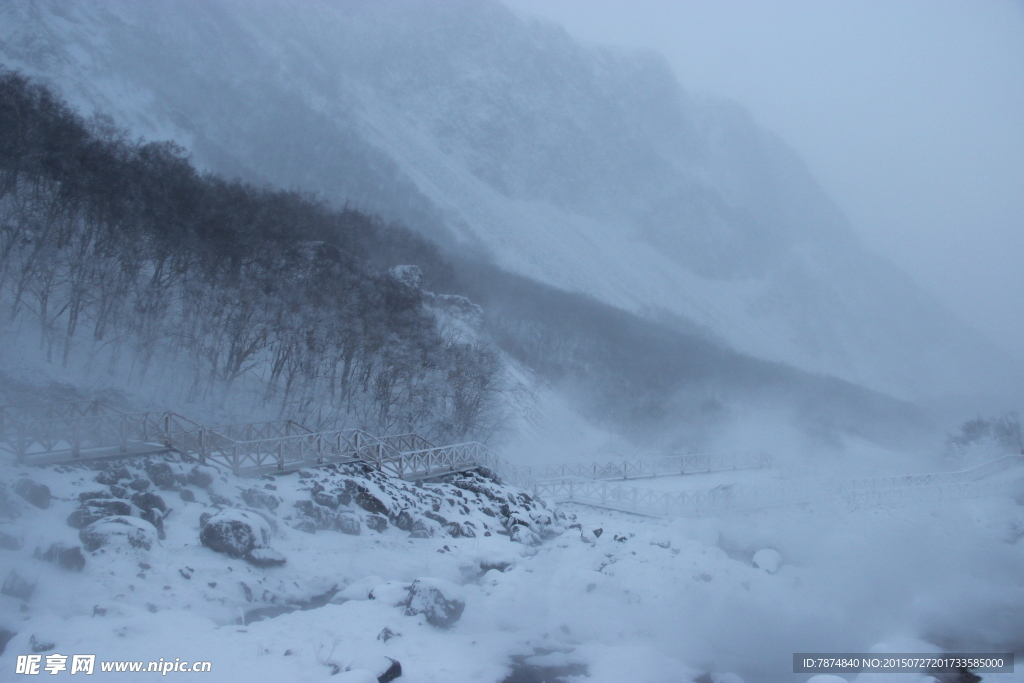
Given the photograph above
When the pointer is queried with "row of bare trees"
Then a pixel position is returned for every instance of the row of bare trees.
(122, 250)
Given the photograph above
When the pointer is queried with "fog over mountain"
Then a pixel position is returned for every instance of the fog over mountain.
(589, 169)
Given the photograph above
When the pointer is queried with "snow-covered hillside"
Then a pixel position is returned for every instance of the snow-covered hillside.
(586, 168)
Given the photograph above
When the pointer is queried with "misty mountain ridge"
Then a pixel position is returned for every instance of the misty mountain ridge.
(588, 169)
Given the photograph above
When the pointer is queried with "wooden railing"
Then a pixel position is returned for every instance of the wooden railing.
(68, 432)
(668, 465)
(255, 431)
(289, 452)
(13, 415)
(71, 432)
(37, 441)
(976, 482)
(406, 443)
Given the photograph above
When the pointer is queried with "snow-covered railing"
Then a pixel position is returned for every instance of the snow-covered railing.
(254, 431)
(66, 432)
(84, 436)
(70, 432)
(430, 462)
(692, 463)
(290, 452)
(635, 499)
(406, 443)
(11, 414)
(440, 460)
(900, 490)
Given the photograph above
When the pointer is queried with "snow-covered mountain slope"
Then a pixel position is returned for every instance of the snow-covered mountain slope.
(585, 168)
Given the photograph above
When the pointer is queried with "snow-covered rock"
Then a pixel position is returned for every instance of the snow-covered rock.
(9, 505)
(265, 557)
(260, 499)
(69, 558)
(768, 559)
(383, 669)
(35, 493)
(118, 531)
(235, 532)
(17, 586)
(358, 590)
(392, 593)
(161, 474)
(440, 602)
(96, 509)
(199, 477)
(348, 523)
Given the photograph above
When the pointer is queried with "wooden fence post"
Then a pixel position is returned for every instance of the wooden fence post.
(22, 442)
(76, 439)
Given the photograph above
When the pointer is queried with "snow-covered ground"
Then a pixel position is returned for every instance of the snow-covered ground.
(595, 594)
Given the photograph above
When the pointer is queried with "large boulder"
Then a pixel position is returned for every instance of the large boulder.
(378, 523)
(258, 498)
(440, 602)
(64, 557)
(365, 498)
(17, 586)
(265, 557)
(348, 523)
(421, 528)
(149, 501)
(235, 532)
(9, 542)
(523, 534)
(403, 520)
(8, 504)
(112, 475)
(305, 525)
(161, 474)
(378, 668)
(96, 509)
(200, 478)
(35, 493)
(120, 531)
(327, 499)
(321, 517)
(370, 503)
(92, 495)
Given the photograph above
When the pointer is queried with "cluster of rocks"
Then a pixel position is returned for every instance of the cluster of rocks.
(127, 512)
(131, 505)
(350, 499)
(463, 505)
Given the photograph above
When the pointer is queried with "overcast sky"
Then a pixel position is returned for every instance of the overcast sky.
(910, 113)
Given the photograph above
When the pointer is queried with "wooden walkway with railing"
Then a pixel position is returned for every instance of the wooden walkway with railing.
(654, 466)
(976, 482)
(74, 432)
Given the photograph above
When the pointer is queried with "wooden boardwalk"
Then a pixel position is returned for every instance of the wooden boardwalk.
(59, 433)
